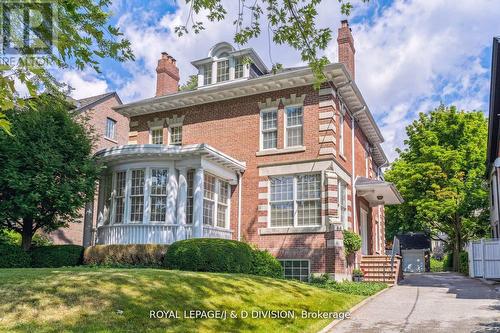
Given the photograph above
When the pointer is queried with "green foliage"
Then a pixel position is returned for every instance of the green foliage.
(437, 265)
(264, 264)
(210, 255)
(83, 37)
(357, 272)
(56, 256)
(448, 262)
(348, 287)
(48, 172)
(352, 242)
(463, 266)
(12, 256)
(440, 174)
(191, 83)
(292, 22)
(13, 238)
(139, 255)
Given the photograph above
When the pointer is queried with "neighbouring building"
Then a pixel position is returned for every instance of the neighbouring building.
(493, 154)
(111, 129)
(251, 155)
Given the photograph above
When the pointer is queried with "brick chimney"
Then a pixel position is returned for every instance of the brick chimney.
(167, 75)
(346, 47)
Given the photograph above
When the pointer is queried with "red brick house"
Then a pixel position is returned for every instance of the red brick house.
(111, 129)
(251, 155)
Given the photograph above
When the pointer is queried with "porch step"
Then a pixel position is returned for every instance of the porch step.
(377, 268)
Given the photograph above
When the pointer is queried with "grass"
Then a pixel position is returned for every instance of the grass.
(349, 287)
(119, 300)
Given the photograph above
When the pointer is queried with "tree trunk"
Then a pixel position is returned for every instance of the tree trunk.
(27, 234)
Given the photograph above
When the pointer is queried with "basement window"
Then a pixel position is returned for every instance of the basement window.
(296, 269)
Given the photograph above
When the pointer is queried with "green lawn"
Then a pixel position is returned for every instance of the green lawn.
(120, 300)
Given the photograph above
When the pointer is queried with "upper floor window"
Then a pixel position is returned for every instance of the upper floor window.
(294, 126)
(207, 74)
(341, 134)
(295, 201)
(222, 70)
(269, 128)
(176, 135)
(238, 68)
(110, 129)
(342, 187)
(156, 136)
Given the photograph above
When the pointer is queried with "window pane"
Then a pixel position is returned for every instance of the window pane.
(159, 180)
(207, 75)
(157, 136)
(294, 130)
(296, 269)
(158, 208)
(136, 209)
(221, 215)
(189, 203)
(176, 135)
(110, 128)
(281, 188)
(223, 191)
(293, 116)
(294, 136)
(282, 214)
(269, 120)
(120, 196)
(270, 140)
(222, 71)
(208, 212)
(309, 212)
(137, 187)
(308, 187)
(238, 68)
(209, 186)
(137, 196)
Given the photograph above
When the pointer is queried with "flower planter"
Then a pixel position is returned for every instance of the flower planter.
(357, 278)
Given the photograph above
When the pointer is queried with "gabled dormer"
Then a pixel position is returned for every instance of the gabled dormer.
(226, 64)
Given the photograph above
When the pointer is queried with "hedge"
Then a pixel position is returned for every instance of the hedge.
(13, 256)
(145, 255)
(221, 255)
(56, 256)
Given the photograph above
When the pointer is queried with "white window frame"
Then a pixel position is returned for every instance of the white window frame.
(285, 123)
(207, 80)
(170, 142)
(341, 132)
(343, 215)
(149, 185)
(145, 196)
(308, 267)
(151, 129)
(110, 121)
(215, 200)
(295, 202)
(238, 62)
(262, 112)
(219, 61)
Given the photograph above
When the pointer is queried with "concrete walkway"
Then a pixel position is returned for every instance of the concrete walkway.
(431, 302)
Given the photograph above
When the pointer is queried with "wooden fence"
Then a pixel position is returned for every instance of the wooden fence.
(484, 258)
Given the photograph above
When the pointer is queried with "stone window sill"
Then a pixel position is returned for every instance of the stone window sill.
(280, 151)
(111, 140)
(292, 230)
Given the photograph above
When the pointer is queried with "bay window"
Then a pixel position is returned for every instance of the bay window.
(269, 129)
(215, 202)
(137, 196)
(119, 199)
(295, 201)
(189, 203)
(294, 126)
(158, 198)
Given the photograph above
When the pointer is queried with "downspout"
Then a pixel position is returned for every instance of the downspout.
(497, 200)
(353, 188)
(239, 205)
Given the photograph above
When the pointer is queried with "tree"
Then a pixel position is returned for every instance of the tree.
(440, 174)
(48, 173)
(291, 22)
(191, 83)
(79, 33)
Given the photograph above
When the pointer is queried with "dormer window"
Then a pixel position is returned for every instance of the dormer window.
(222, 70)
(238, 68)
(207, 74)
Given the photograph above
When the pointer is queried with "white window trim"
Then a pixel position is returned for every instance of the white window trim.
(170, 134)
(115, 123)
(341, 133)
(217, 61)
(215, 200)
(285, 120)
(343, 215)
(261, 134)
(295, 205)
(295, 259)
(151, 129)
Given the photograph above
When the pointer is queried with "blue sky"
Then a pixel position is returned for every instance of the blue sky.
(410, 55)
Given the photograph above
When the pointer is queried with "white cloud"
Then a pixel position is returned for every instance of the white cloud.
(83, 84)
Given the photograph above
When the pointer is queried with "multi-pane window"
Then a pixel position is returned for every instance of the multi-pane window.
(238, 68)
(269, 129)
(222, 70)
(159, 181)
(309, 200)
(342, 193)
(294, 126)
(189, 203)
(281, 201)
(209, 199)
(176, 135)
(207, 74)
(137, 196)
(119, 201)
(157, 136)
(110, 129)
(222, 203)
(341, 131)
(295, 200)
(295, 269)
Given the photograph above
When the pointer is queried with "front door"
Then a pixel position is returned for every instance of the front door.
(364, 231)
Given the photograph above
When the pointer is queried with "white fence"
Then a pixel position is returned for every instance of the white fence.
(484, 258)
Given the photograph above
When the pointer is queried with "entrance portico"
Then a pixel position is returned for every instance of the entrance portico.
(158, 194)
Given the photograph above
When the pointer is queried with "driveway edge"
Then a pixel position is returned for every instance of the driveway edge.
(328, 327)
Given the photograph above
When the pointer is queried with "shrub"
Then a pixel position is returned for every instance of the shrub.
(352, 242)
(437, 265)
(56, 256)
(348, 287)
(265, 264)
(143, 255)
(14, 238)
(13, 256)
(210, 255)
(463, 264)
(448, 261)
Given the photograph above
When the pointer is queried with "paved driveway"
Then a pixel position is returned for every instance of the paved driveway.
(431, 302)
